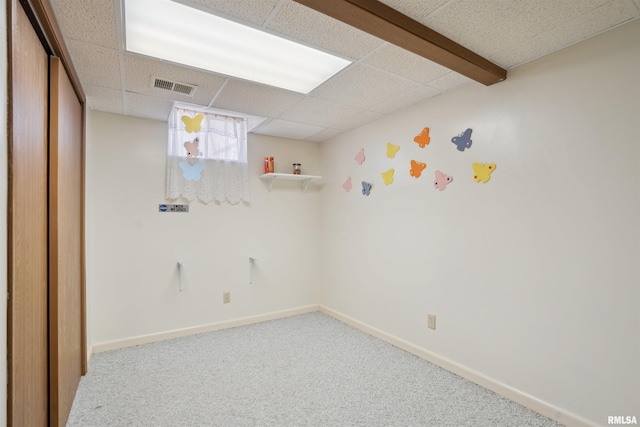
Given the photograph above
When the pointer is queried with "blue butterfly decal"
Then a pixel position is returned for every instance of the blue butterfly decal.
(463, 140)
(191, 172)
(366, 188)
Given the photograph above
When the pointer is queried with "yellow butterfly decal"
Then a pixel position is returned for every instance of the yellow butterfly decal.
(482, 171)
(192, 124)
(387, 176)
(417, 168)
(392, 150)
(423, 139)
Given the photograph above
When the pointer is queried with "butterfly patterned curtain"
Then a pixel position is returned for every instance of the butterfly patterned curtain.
(207, 157)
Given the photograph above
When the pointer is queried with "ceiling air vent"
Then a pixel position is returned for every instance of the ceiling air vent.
(165, 84)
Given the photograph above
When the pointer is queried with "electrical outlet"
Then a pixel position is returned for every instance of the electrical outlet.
(226, 297)
(431, 321)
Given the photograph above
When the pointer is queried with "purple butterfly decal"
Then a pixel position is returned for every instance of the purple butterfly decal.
(463, 140)
(366, 188)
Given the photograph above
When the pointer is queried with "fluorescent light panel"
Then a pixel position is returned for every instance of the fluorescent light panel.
(174, 32)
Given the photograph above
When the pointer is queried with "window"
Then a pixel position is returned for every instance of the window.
(207, 156)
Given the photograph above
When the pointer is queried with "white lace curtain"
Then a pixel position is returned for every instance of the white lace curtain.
(207, 157)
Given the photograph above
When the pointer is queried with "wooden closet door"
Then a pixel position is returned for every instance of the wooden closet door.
(66, 349)
(27, 247)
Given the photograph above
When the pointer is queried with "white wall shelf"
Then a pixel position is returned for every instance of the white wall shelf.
(270, 178)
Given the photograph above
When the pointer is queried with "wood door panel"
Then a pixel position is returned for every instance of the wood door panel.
(28, 246)
(65, 242)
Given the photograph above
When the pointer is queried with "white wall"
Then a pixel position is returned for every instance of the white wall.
(132, 249)
(534, 276)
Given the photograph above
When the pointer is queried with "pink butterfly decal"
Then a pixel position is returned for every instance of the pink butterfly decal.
(442, 180)
(360, 156)
(347, 185)
(192, 147)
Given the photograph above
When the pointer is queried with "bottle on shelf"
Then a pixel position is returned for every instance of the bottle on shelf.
(268, 165)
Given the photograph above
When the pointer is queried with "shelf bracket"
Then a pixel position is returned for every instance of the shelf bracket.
(251, 262)
(270, 182)
(304, 184)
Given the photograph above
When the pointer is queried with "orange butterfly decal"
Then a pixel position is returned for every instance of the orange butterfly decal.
(417, 168)
(423, 139)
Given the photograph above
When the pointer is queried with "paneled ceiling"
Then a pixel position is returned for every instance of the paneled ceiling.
(381, 80)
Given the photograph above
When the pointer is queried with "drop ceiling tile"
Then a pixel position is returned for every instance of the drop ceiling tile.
(488, 27)
(363, 86)
(96, 65)
(572, 32)
(253, 12)
(358, 120)
(104, 99)
(319, 112)
(399, 61)
(287, 129)
(147, 106)
(90, 21)
(401, 102)
(301, 23)
(450, 81)
(416, 10)
(254, 98)
(324, 135)
(139, 69)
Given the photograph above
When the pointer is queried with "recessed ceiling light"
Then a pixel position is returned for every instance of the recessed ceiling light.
(178, 33)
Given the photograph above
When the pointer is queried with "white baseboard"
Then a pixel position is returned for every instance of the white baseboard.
(561, 416)
(176, 333)
(89, 355)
